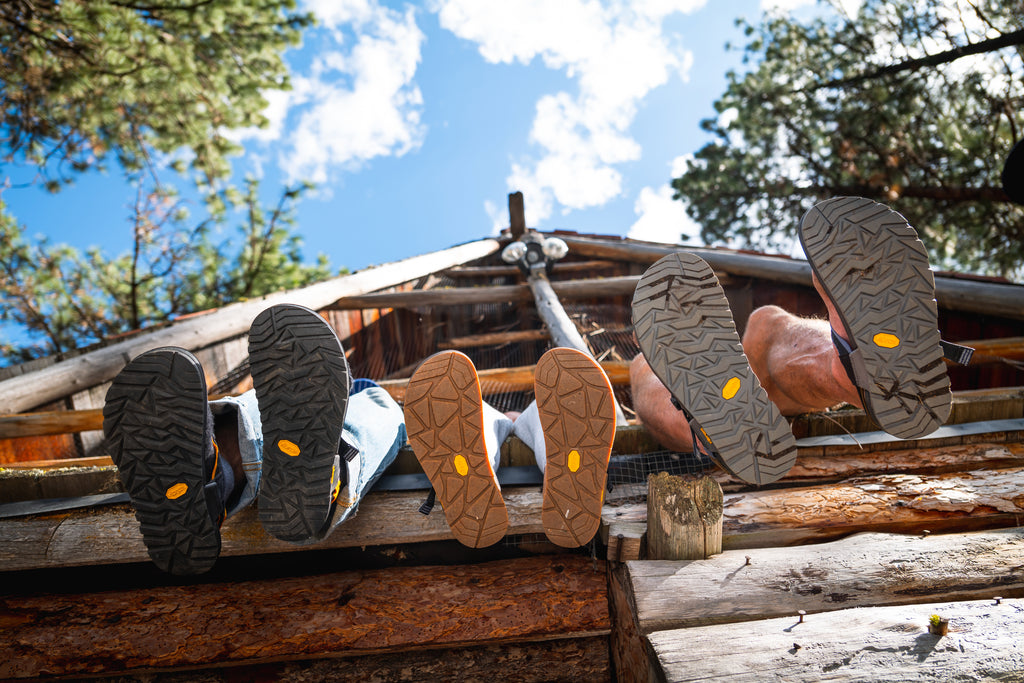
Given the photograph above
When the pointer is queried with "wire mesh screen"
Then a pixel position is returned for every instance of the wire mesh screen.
(606, 327)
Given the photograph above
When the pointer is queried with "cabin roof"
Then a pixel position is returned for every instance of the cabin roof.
(960, 482)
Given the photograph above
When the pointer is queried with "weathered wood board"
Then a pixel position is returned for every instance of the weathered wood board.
(338, 614)
(984, 643)
(863, 570)
(980, 499)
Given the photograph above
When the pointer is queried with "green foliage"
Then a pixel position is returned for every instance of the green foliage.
(834, 106)
(65, 299)
(86, 78)
(86, 81)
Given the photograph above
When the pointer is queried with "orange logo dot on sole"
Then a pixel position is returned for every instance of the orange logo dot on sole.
(177, 491)
(886, 340)
(461, 466)
(574, 460)
(288, 448)
(730, 388)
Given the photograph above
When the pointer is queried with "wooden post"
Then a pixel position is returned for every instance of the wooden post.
(684, 517)
(516, 215)
(562, 328)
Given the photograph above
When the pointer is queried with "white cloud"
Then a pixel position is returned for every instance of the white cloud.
(616, 52)
(850, 7)
(663, 219)
(357, 101)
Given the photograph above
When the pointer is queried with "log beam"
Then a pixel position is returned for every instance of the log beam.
(495, 294)
(897, 503)
(988, 298)
(328, 615)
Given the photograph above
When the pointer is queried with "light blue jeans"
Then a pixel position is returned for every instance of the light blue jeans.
(374, 424)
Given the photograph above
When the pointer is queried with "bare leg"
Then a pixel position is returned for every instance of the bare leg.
(653, 405)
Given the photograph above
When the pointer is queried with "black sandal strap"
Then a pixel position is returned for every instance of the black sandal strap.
(428, 504)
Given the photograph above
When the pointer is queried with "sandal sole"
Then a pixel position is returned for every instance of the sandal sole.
(155, 422)
(686, 331)
(444, 420)
(874, 269)
(577, 414)
(301, 379)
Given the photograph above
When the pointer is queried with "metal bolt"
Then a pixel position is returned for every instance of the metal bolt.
(801, 613)
(998, 599)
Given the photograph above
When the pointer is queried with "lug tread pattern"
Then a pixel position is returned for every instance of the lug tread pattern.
(154, 420)
(302, 384)
(577, 413)
(874, 268)
(685, 329)
(444, 420)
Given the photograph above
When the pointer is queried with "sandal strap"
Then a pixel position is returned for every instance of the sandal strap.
(428, 504)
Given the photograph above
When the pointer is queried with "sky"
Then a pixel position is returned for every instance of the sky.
(416, 120)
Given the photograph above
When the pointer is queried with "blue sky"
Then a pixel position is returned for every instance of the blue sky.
(417, 119)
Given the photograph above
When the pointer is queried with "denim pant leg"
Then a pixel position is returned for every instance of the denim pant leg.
(528, 428)
(375, 425)
(250, 442)
(497, 427)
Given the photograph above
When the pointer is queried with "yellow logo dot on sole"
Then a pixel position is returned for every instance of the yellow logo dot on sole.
(177, 491)
(730, 388)
(574, 460)
(288, 448)
(461, 466)
(886, 340)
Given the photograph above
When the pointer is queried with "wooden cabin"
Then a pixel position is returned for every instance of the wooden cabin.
(833, 572)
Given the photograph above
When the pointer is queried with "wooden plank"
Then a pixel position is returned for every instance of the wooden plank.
(864, 644)
(987, 298)
(89, 369)
(494, 338)
(995, 350)
(971, 405)
(462, 296)
(110, 535)
(511, 271)
(519, 378)
(863, 570)
(342, 613)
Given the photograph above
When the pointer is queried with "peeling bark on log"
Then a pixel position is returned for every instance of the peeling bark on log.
(865, 644)
(896, 503)
(347, 613)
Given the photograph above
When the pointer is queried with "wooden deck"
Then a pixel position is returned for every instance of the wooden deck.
(831, 573)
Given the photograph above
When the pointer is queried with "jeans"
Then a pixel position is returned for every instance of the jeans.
(374, 424)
